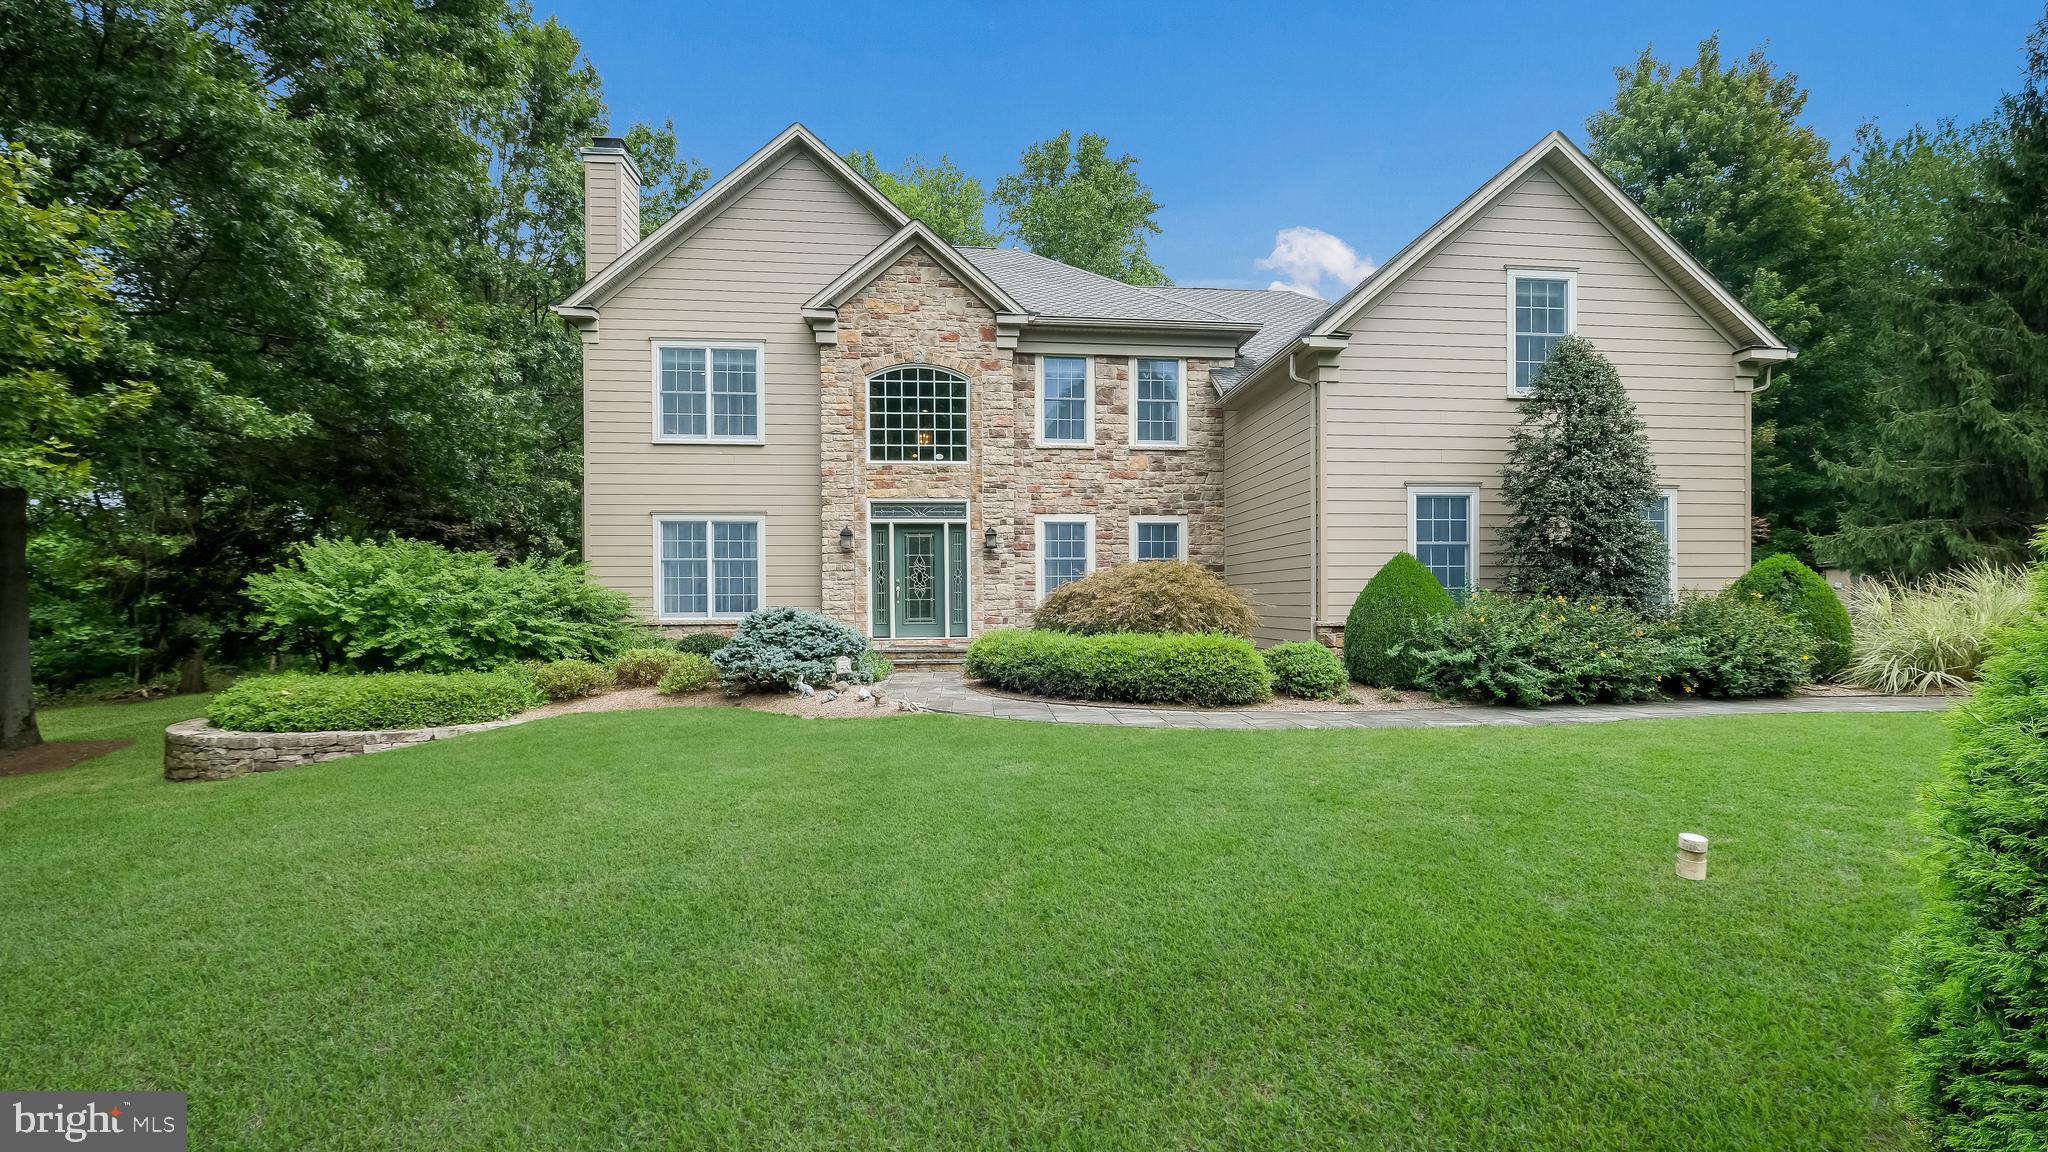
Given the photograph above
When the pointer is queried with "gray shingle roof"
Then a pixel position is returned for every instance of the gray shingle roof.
(1280, 315)
(1050, 288)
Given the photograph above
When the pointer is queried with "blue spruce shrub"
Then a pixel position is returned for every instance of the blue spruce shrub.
(775, 647)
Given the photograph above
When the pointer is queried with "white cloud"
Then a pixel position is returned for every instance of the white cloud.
(1310, 259)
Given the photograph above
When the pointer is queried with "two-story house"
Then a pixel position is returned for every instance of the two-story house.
(793, 394)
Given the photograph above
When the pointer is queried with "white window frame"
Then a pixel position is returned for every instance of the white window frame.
(1038, 527)
(1087, 403)
(1180, 439)
(709, 615)
(760, 352)
(1516, 273)
(1471, 525)
(1670, 498)
(1180, 522)
(867, 404)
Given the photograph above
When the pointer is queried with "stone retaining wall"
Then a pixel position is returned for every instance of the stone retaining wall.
(196, 750)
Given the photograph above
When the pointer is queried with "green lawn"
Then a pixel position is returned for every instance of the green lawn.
(715, 928)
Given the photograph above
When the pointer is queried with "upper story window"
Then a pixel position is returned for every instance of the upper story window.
(917, 414)
(1159, 414)
(707, 392)
(1065, 398)
(707, 568)
(1443, 534)
(1544, 312)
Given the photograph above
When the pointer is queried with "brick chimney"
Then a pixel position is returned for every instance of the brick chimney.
(611, 202)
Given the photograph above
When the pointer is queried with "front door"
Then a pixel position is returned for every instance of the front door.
(920, 580)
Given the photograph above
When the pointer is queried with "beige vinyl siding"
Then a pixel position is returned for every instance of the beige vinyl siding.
(1419, 396)
(741, 276)
(1269, 497)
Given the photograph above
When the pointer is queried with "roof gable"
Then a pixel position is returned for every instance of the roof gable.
(911, 235)
(1583, 178)
(722, 194)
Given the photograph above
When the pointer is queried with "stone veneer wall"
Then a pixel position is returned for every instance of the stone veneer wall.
(916, 312)
(196, 750)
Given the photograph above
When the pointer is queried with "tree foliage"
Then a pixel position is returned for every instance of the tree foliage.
(940, 196)
(1080, 206)
(1578, 483)
(1958, 471)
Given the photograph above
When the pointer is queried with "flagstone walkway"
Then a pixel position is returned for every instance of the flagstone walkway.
(948, 692)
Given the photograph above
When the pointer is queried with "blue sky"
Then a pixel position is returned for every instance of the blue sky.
(1361, 121)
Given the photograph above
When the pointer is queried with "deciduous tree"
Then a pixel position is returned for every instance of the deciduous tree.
(938, 195)
(1079, 205)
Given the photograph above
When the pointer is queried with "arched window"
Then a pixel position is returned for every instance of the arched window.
(917, 413)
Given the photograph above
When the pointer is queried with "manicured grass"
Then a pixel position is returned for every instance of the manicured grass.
(716, 928)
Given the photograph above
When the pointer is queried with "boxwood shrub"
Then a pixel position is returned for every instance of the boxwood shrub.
(568, 679)
(690, 673)
(1204, 669)
(1163, 596)
(343, 702)
(1803, 594)
(1392, 608)
(701, 643)
(1307, 671)
(641, 667)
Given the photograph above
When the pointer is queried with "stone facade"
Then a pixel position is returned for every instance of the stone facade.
(915, 312)
(196, 750)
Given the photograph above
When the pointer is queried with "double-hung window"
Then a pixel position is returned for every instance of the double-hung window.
(1066, 551)
(707, 392)
(1443, 533)
(1663, 514)
(1159, 414)
(706, 568)
(1064, 401)
(1542, 312)
(1159, 537)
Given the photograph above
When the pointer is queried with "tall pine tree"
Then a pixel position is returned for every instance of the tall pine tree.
(1959, 468)
(1578, 485)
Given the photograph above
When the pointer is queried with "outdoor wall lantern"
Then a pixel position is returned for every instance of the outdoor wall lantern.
(846, 539)
(988, 538)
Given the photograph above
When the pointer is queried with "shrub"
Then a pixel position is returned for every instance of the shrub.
(363, 702)
(1931, 637)
(779, 646)
(1734, 647)
(1540, 650)
(1390, 610)
(1160, 596)
(569, 679)
(690, 673)
(701, 643)
(1141, 668)
(640, 667)
(1308, 671)
(1803, 594)
(1973, 991)
(411, 605)
(878, 667)
(1578, 484)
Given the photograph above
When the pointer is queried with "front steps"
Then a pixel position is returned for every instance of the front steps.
(923, 654)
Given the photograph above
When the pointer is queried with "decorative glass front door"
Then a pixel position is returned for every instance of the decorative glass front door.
(918, 578)
(920, 583)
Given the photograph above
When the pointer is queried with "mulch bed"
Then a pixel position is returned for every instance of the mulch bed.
(55, 756)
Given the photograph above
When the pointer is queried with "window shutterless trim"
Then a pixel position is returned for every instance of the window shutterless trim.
(709, 519)
(1038, 527)
(867, 433)
(1087, 404)
(1670, 498)
(1180, 522)
(1570, 276)
(1471, 525)
(760, 352)
(1180, 369)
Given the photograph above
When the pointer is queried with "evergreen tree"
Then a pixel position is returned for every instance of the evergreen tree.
(1578, 485)
(1081, 207)
(1959, 467)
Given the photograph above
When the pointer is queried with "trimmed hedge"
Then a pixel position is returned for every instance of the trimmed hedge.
(1803, 594)
(568, 679)
(640, 667)
(1307, 671)
(1139, 668)
(1158, 596)
(1973, 991)
(1392, 609)
(357, 703)
(690, 673)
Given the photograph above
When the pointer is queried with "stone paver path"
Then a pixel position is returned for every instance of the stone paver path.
(947, 692)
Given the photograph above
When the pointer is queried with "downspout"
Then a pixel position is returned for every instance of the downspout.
(1315, 503)
(1766, 385)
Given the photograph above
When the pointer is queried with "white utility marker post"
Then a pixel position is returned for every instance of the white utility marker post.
(1692, 856)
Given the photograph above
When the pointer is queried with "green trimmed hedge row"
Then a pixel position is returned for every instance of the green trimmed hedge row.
(1307, 671)
(364, 703)
(1132, 667)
